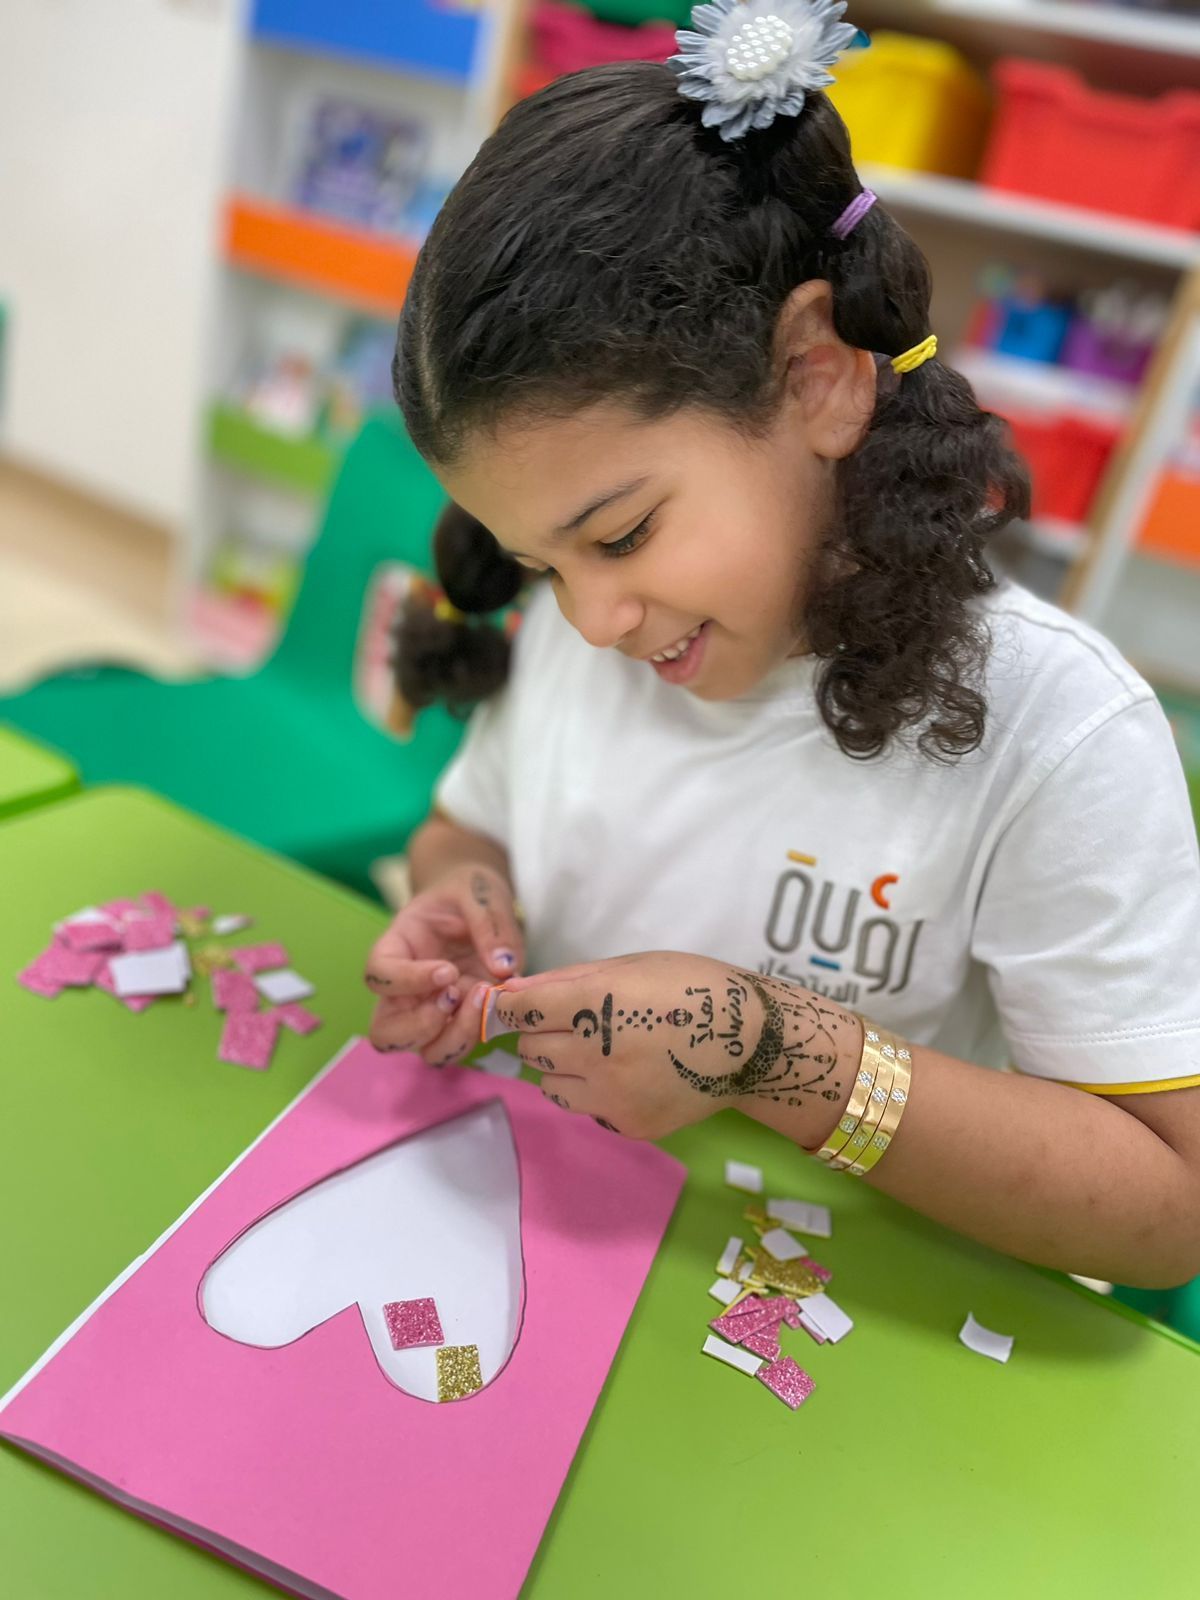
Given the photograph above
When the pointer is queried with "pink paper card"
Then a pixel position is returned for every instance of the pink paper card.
(239, 1384)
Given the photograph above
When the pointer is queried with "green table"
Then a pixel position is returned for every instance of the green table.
(31, 774)
(916, 1470)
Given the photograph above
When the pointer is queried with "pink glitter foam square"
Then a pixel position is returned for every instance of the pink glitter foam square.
(131, 1002)
(788, 1380)
(791, 1314)
(153, 900)
(148, 933)
(411, 1323)
(248, 1039)
(36, 981)
(817, 1269)
(233, 991)
(90, 936)
(73, 969)
(260, 957)
(764, 1342)
(296, 1017)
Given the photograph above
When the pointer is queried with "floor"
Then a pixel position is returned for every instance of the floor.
(80, 582)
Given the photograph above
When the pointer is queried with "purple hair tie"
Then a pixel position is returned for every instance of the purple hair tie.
(853, 214)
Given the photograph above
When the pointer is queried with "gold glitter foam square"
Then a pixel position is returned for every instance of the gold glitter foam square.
(790, 1277)
(458, 1373)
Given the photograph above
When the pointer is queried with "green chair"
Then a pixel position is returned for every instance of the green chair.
(283, 757)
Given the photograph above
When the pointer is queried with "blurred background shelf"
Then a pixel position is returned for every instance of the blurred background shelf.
(238, 441)
(412, 35)
(360, 268)
(1017, 25)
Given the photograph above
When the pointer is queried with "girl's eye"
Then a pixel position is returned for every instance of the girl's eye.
(630, 541)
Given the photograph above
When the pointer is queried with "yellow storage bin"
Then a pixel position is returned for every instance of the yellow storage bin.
(913, 103)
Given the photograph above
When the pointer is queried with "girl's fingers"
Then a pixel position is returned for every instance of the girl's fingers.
(403, 1026)
(492, 923)
(408, 980)
(459, 1034)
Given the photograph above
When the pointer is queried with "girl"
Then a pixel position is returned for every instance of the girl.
(883, 824)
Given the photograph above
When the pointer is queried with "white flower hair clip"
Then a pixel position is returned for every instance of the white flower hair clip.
(755, 60)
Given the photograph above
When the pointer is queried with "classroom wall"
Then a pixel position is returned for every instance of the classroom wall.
(113, 121)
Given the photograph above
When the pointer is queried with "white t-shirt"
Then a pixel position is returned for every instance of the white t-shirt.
(1038, 902)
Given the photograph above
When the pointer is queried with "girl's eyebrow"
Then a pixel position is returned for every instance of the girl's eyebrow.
(598, 504)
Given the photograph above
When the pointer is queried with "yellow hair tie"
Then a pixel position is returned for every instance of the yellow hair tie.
(445, 611)
(917, 356)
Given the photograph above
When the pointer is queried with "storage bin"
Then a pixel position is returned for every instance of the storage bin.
(1033, 331)
(912, 103)
(1066, 454)
(1055, 137)
(566, 38)
(1172, 524)
(1101, 354)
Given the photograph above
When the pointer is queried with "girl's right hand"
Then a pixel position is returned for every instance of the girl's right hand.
(432, 967)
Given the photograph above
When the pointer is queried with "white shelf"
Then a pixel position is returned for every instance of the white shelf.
(996, 209)
(1158, 34)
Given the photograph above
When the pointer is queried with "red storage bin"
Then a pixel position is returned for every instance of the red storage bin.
(1055, 137)
(566, 38)
(1066, 455)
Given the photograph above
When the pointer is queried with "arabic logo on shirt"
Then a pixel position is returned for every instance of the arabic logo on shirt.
(824, 921)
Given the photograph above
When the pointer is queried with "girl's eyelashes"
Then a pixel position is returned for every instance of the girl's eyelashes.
(630, 541)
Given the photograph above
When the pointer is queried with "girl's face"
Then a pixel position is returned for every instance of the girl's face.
(684, 543)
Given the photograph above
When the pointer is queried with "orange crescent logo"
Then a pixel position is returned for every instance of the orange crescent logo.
(879, 886)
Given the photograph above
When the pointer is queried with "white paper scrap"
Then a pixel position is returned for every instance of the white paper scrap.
(740, 1176)
(283, 986)
(744, 1271)
(828, 1316)
(801, 1216)
(997, 1346)
(725, 1290)
(782, 1246)
(144, 972)
(501, 1064)
(233, 922)
(729, 1257)
(88, 914)
(744, 1360)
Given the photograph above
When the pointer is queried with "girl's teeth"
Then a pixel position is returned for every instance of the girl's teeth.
(676, 650)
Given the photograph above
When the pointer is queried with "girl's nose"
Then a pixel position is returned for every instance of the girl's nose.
(602, 615)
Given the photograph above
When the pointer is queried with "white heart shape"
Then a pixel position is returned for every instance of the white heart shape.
(434, 1215)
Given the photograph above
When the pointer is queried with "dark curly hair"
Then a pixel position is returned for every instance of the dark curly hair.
(603, 244)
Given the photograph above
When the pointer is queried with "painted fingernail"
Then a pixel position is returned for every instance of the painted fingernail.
(449, 1001)
(444, 974)
(505, 959)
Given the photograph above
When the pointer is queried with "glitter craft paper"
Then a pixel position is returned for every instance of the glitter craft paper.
(259, 957)
(729, 1257)
(411, 1323)
(985, 1342)
(782, 1246)
(37, 982)
(296, 1018)
(90, 934)
(248, 1039)
(757, 1218)
(828, 1317)
(802, 1216)
(764, 1342)
(791, 1277)
(817, 1270)
(152, 971)
(148, 933)
(739, 1175)
(72, 969)
(787, 1380)
(233, 991)
(131, 1002)
(280, 988)
(725, 1290)
(458, 1371)
(231, 922)
(743, 1360)
(211, 958)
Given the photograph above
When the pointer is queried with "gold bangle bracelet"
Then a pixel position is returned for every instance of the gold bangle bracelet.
(890, 1121)
(879, 1101)
(860, 1098)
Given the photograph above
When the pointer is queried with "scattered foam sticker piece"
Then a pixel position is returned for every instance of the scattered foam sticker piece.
(743, 1360)
(152, 971)
(86, 914)
(154, 900)
(234, 991)
(295, 1017)
(985, 1342)
(789, 1277)
(758, 1219)
(248, 1039)
(749, 1317)
(725, 1290)
(763, 1342)
(105, 981)
(501, 1064)
(37, 982)
(791, 1313)
(413, 1323)
(254, 958)
(210, 957)
(811, 1329)
(90, 934)
(230, 922)
(802, 1216)
(72, 969)
(458, 1373)
(782, 1246)
(817, 1270)
(148, 933)
(280, 988)
(744, 1269)
(828, 1317)
(787, 1379)
(191, 925)
(729, 1257)
(740, 1175)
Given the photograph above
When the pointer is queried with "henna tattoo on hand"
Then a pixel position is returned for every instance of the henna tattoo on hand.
(544, 1064)
(481, 893)
(760, 1063)
(557, 1099)
(605, 1123)
(587, 1024)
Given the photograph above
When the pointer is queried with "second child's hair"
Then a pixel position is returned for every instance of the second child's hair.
(603, 245)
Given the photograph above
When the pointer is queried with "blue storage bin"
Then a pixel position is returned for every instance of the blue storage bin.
(1035, 332)
(416, 34)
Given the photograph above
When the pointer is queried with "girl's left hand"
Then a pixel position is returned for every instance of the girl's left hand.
(649, 1043)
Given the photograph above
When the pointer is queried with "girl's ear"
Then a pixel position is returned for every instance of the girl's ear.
(828, 385)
